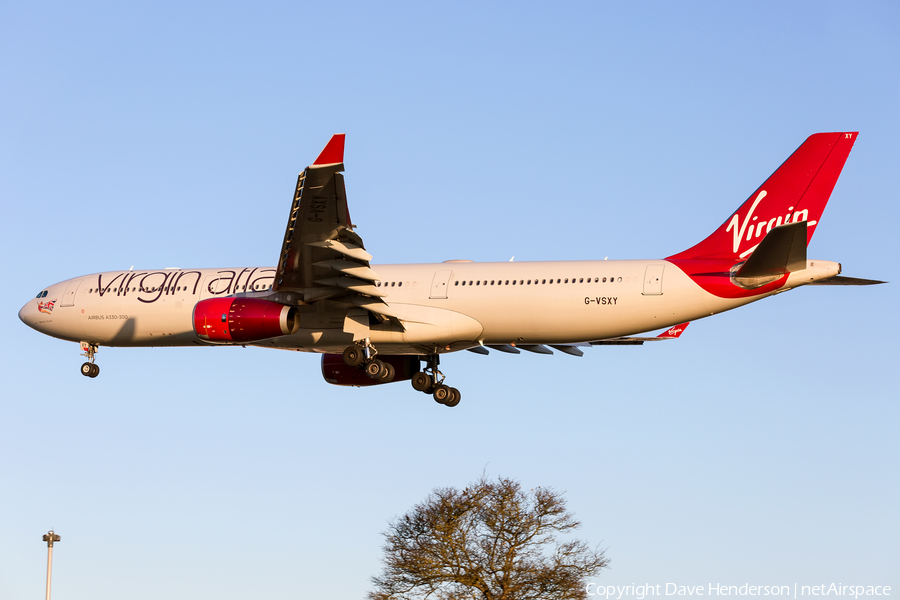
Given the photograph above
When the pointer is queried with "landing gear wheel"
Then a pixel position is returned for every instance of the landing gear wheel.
(441, 393)
(454, 399)
(87, 369)
(375, 369)
(421, 382)
(96, 370)
(389, 373)
(353, 356)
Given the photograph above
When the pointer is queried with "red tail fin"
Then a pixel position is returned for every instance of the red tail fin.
(797, 191)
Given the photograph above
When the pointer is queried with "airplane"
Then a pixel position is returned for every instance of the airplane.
(376, 324)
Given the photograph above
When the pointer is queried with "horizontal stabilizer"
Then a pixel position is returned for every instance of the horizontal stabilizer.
(672, 333)
(839, 280)
(782, 251)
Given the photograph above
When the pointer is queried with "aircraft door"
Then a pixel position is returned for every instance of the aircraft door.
(440, 284)
(653, 278)
(69, 295)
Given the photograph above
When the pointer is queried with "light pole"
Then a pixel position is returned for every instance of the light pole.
(50, 537)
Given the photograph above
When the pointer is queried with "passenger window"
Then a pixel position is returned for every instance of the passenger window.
(400, 284)
(543, 281)
(492, 282)
(529, 282)
(506, 282)
(455, 283)
(477, 283)
(620, 280)
(514, 282)
(581, 280)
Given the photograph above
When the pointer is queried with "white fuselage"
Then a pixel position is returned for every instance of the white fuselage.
(444, 306)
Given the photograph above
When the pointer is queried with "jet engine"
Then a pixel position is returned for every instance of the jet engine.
(231, 319)
(336, 371)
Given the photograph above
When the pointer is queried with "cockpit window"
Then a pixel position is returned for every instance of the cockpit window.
(42, 294)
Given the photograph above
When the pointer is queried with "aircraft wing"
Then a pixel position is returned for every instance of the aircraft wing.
(321, 256)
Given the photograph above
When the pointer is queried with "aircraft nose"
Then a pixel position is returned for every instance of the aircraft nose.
(26, 313)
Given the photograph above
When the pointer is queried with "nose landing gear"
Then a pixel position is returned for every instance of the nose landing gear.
(89, 369)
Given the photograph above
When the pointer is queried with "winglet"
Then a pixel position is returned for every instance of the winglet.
(333, 152)
(673, 332)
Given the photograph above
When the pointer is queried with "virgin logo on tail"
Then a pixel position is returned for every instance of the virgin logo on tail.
(797, 191)
(757, 230)
(674, 332)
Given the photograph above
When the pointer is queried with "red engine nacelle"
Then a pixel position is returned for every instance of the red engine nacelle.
(243, 319)
(336, 371)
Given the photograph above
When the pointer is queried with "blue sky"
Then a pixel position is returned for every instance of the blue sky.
(760, 448)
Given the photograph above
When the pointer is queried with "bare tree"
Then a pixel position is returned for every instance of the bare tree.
(490, 541)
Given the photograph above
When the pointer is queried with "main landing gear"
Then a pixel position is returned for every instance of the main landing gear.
(89, 369)
(364, 357)
(431, 381)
